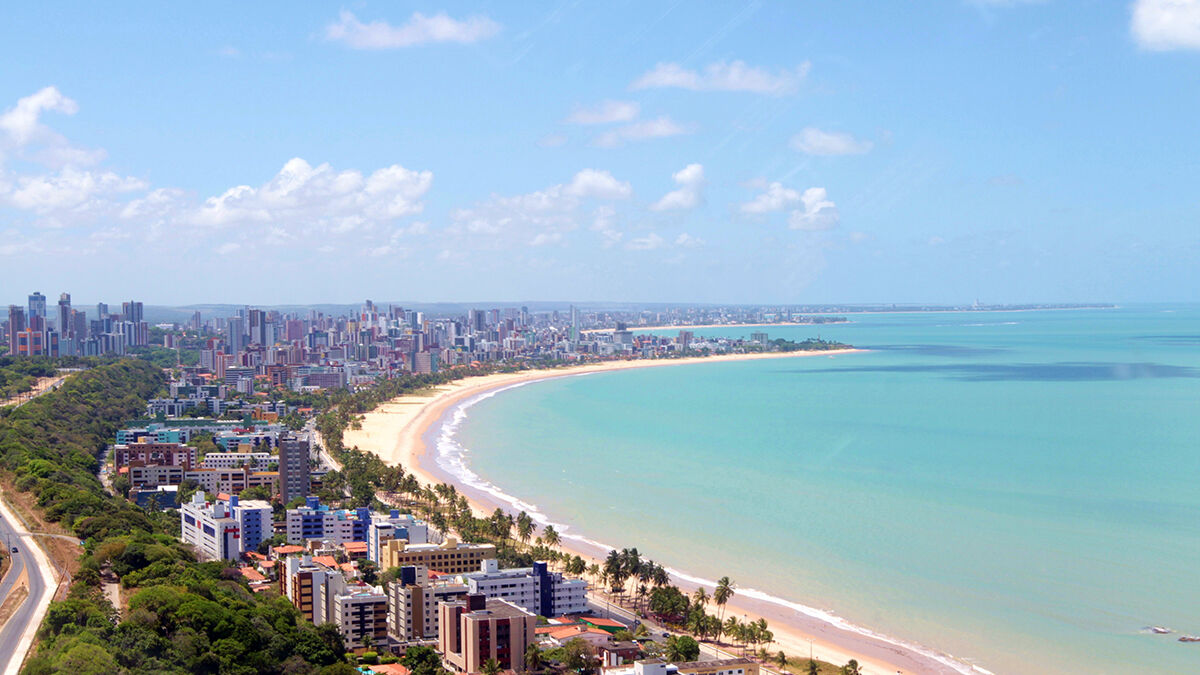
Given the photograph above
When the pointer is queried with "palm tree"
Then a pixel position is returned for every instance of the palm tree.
(730, 627)
(533, 658)
(782, 660)
(491, 667)
(722, 593)
(851, 668)
(524, 527)
(813, 668)
(550, 536)
(700, 598)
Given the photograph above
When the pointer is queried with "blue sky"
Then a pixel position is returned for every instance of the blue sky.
(941, 151)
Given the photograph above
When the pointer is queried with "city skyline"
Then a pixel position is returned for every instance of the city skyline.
(710, 155)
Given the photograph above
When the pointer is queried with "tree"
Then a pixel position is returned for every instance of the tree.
(851, 668)
(524, 527)
(682, 648)
(550, 536)
(722, 593)
(490, 667)
(369, 571)
(814, 668)
(700, 598)
(533, 658)
(422, 661)
(782, 659)
(579, 656)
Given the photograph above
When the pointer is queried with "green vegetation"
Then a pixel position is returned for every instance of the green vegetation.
(18, 375)
(182, 616)
(809, 345)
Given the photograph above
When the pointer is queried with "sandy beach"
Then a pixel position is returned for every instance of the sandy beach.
(401, 432)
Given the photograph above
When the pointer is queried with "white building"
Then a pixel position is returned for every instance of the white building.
(394, 526)
(413, 604)
(233, 460)
(535, 589)
(210, 529)
(224, 530)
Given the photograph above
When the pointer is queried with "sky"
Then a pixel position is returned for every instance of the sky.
(943, 151)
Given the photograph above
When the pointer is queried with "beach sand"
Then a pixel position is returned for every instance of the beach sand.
(401, 431)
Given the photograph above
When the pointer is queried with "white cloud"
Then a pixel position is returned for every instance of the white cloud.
(552, 140)
(598, 184)
(660, 127)
(21, 130)
(228, 247)
(544, 238)
(418, 30)
(775, 197)
(686, 240)
(814, 211)
(1162, 25)
(813, 141)
(603, 223)
(301, 195)
(229, 51)
(21, 121)
(69, 189)
(691, 184)
(550, 210)
(606, 112)
(818, 212)
(649, 242)
(724, 76)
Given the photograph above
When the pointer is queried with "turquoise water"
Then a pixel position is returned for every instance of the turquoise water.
(1017, 489)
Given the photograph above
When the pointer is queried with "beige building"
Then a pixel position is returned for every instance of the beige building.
(360, 611)
(449, 557)
(413, 604)
(475, 629)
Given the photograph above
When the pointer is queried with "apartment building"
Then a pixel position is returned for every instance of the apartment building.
(449, 557)
(317, 521)
(475, 629)
(224, 530)
(383, 529)
(413, 601)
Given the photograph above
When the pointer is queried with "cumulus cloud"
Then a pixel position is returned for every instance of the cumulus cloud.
(606, 112)
(1162, 25)
(69, 189)
(22, 132)
(660, 127)
(598, 184)
(810, 210)
(686, 240)
(418, 30)
(724, 76)
(691, 184)
(548, 211)
(307, 196)
(775, 197)
(813, 141)
(818, 212)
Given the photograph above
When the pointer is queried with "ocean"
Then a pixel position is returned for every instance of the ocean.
(1017, 489)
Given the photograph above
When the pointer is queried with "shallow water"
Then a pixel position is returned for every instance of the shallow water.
(1017, 489)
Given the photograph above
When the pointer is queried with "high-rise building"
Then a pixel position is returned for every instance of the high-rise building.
(413, 604)
(16, 325)
(102, 310)
(37, 305)
(132, 311)
(237, 334)
(293, 467)
(64, 315)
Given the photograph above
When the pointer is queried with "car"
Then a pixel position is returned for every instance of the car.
(14, 549)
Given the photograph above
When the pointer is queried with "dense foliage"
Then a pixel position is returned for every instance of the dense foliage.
(182, 616)
(18, 375)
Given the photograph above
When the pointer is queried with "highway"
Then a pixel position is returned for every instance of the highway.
(23, 621)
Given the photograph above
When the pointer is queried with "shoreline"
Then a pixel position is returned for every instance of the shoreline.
(406, 431)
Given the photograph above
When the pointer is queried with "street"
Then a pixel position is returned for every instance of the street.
(22, 621)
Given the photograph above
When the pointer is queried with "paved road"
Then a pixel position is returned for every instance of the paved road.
(14, 628)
